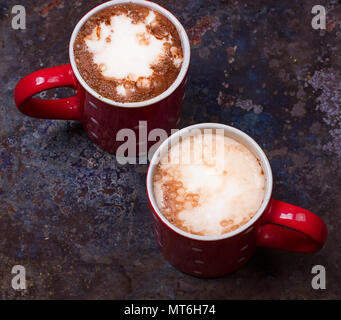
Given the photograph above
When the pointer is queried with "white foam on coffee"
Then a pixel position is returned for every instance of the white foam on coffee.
(151, 17)
(235, 195)
(131, 50)
(121, 90)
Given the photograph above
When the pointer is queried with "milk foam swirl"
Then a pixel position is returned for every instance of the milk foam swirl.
(124, 49)
(128, 53)
(209, 197)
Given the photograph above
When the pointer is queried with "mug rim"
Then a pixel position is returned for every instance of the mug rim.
(236, 132)
(184, 43)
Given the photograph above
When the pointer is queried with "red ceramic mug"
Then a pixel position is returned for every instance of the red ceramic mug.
(103, 118)
(276, 225)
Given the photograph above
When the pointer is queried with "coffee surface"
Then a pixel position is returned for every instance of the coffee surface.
(128, 53)
(208, 184)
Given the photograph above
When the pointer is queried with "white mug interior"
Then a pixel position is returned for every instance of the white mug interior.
(184, 43)
(231, 132)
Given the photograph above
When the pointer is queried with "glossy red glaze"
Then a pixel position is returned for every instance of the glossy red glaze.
(103, 119)
(36, 82)
(214, 258)
(304, 232)
(100, 120)
(202, 258)
(276, 225)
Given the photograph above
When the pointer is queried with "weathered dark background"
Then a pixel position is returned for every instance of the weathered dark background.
(78, 221)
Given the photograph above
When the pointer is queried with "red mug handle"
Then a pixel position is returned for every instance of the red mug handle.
(291, 228)
(36, 82)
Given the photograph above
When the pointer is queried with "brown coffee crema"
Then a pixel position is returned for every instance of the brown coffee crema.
(155, 36)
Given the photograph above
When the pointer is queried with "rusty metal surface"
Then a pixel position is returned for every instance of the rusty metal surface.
(78, 221)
